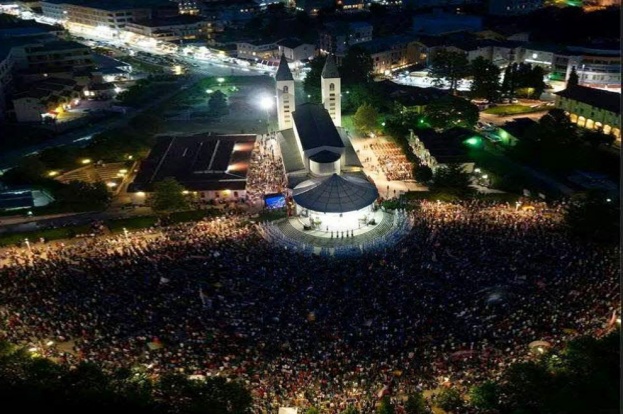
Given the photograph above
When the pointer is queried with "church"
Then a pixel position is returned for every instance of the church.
(325, 176)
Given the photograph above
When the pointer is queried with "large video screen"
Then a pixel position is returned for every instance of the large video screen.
(272, 201)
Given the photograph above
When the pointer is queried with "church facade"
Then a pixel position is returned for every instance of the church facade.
(324, 173)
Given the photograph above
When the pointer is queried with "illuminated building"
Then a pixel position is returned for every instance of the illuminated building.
(513, 7)
(172, 29)
(46, 99)
(110, 14)
(391, 53)
(337, 37)
(449, 147)
(209, 167)
(325, 176)
(592, 108)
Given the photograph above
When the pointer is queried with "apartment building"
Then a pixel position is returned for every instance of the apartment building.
(296, 50)
(257, 50)
(46, 99)
(392, 53)
(109, 14)
(337, 37)
(184, 27)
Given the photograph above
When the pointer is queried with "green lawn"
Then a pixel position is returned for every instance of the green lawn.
(513, 110)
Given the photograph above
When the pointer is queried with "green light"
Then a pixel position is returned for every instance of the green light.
(503, 134)
(422, 121)
(473, 141)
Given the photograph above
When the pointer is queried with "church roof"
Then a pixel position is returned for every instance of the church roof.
(335, 194)
(325, 156)
(610, 101)
(283, 71)
(315, 127)
(292, 160)
(330, 69)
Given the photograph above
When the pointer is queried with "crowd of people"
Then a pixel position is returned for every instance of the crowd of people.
(392, 161)
(266, 174)
(454, 302)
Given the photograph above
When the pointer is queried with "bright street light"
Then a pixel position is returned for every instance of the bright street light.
(266, 103)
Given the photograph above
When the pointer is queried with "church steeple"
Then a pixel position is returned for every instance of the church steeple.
(283, 71)
(285, 94)
(330, 85)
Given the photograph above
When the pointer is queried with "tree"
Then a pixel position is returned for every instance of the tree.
(80, 195)
(147, 122)
(416, 404)
(449, 399)
(453, 179)
(523, 79)
(573, 79)
(485, 396)
(593, 215)
(356, 95)
(423, 174)
(356, 66)
(486, 79)
(29, 170)
(385, 406)
(168, 196)
(451, 111)
(311, 84)
(450, 67)
(218, 103)
(312, 410)
(366, 119)
(556, 129)
(596, 137)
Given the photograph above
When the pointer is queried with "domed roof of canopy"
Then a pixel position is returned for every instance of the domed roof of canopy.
(335, 194)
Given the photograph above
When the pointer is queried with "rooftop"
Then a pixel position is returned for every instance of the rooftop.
(598, 98)
(329, 71)
(59, 45)
(335, 194)
(315, 127)
(201, 162)
(448, 146)
(283, 71)
(290, 42)
(180, 20)
(410, 95)
(382, 44)
(112, 5)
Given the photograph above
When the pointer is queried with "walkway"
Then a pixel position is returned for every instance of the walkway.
(289, 234)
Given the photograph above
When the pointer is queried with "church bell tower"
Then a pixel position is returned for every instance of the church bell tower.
(331, 89)
(285, 94)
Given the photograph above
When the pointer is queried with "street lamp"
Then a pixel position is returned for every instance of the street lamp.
(266, 102)
(27, 244)
(125, 232)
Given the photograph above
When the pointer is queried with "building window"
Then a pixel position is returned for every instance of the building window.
(331, 87)
(285, 89)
